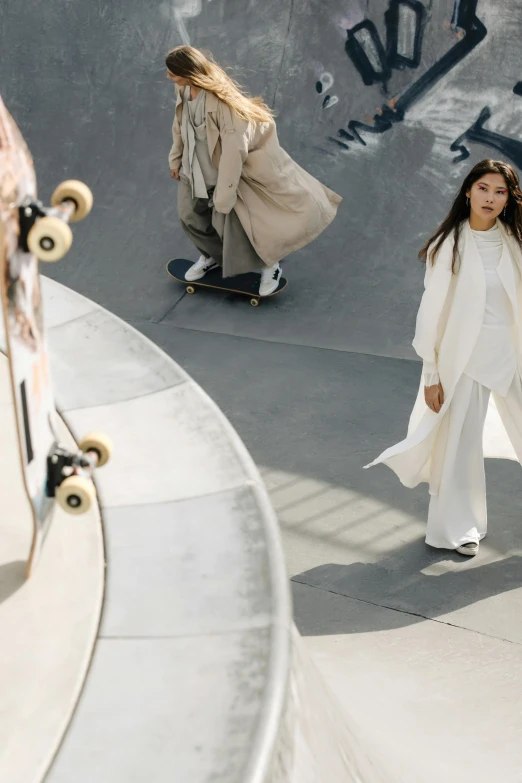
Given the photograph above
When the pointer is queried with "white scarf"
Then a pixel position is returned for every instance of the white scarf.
(189, 131)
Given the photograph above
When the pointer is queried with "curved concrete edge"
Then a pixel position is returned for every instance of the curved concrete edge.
(49, 623)
(197, 599)
(328, 743)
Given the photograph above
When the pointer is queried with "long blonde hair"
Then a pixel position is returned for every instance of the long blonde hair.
(201, 70)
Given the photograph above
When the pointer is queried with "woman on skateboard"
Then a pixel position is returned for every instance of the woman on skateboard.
(242, 200)
(469, 330)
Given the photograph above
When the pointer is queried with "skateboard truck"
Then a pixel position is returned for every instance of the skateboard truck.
(44, 231)
(69, 474)
(62, 463)
(29, 211)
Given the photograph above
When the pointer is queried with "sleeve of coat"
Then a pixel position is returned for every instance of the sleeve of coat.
(430, 373)
(234, 135)
(176, 152)
(436, 286)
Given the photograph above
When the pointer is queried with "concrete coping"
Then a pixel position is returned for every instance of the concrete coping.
(190, 670)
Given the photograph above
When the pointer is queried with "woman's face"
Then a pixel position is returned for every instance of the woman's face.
(179, 80)
(488, 196)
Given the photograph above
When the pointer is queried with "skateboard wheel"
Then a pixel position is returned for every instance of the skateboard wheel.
(190, 289)
(100, 443)
(76, 494)
(254, 302)
(49, 239)
(73, 190)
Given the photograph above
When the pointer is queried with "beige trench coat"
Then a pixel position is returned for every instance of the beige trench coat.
(281, 207)
(448, 324)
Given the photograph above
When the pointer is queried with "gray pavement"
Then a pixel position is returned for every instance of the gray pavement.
(305, 378)
(311, 419)
(421, 646)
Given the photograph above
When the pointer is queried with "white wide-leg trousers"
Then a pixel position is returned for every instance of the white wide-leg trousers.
(458, 514)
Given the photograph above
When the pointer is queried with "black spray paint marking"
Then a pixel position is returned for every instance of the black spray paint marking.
(455, 15)
(338, 142)
(405, 22)
(511, 148)
(329, 101)
(365, 50)
(323, 84)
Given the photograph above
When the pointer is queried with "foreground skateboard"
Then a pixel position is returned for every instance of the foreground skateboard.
(28, 232)
(247, 284)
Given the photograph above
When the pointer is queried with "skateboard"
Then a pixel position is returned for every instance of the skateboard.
(247, 284)
(30, 232)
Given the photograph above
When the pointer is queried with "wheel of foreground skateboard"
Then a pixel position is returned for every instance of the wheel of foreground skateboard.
(76, 191)
(49, 239)
(100, 443)
(254, 302)
(190, 289)
(76, 494)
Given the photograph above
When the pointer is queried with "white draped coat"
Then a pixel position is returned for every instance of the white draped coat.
(448, 324)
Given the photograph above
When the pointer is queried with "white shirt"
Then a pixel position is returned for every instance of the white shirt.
(493, 360)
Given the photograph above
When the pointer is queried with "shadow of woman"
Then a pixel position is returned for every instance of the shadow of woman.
(415, 582)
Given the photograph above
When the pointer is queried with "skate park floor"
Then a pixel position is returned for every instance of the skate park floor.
(423, 647)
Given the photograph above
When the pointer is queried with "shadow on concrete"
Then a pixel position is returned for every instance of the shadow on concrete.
(419, 582)
(306, 411)
(415, 596)
(12, 578)
(311, 419)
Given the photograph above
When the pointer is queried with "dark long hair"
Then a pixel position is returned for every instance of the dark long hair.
(460, 210)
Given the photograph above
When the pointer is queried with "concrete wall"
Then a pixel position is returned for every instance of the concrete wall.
(389, 103)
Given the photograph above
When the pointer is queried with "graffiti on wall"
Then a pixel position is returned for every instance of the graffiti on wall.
(376, 60)
(401, 55)
(323, 84)
(511, 148)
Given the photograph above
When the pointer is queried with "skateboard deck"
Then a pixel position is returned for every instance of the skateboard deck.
(247, 284)
(21, 226)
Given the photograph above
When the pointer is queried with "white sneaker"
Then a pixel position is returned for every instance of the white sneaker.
(470, 548)
(200, 268)
(270, 278)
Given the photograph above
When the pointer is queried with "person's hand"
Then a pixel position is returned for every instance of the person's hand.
(434, 397)
(174, 173)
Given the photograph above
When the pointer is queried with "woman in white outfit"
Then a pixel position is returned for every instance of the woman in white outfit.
(468, 333)
(242, 200)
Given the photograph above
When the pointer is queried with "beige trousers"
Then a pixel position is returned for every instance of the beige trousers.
(218, 236)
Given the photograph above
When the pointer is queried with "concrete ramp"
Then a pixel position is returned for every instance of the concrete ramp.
(389, 103)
